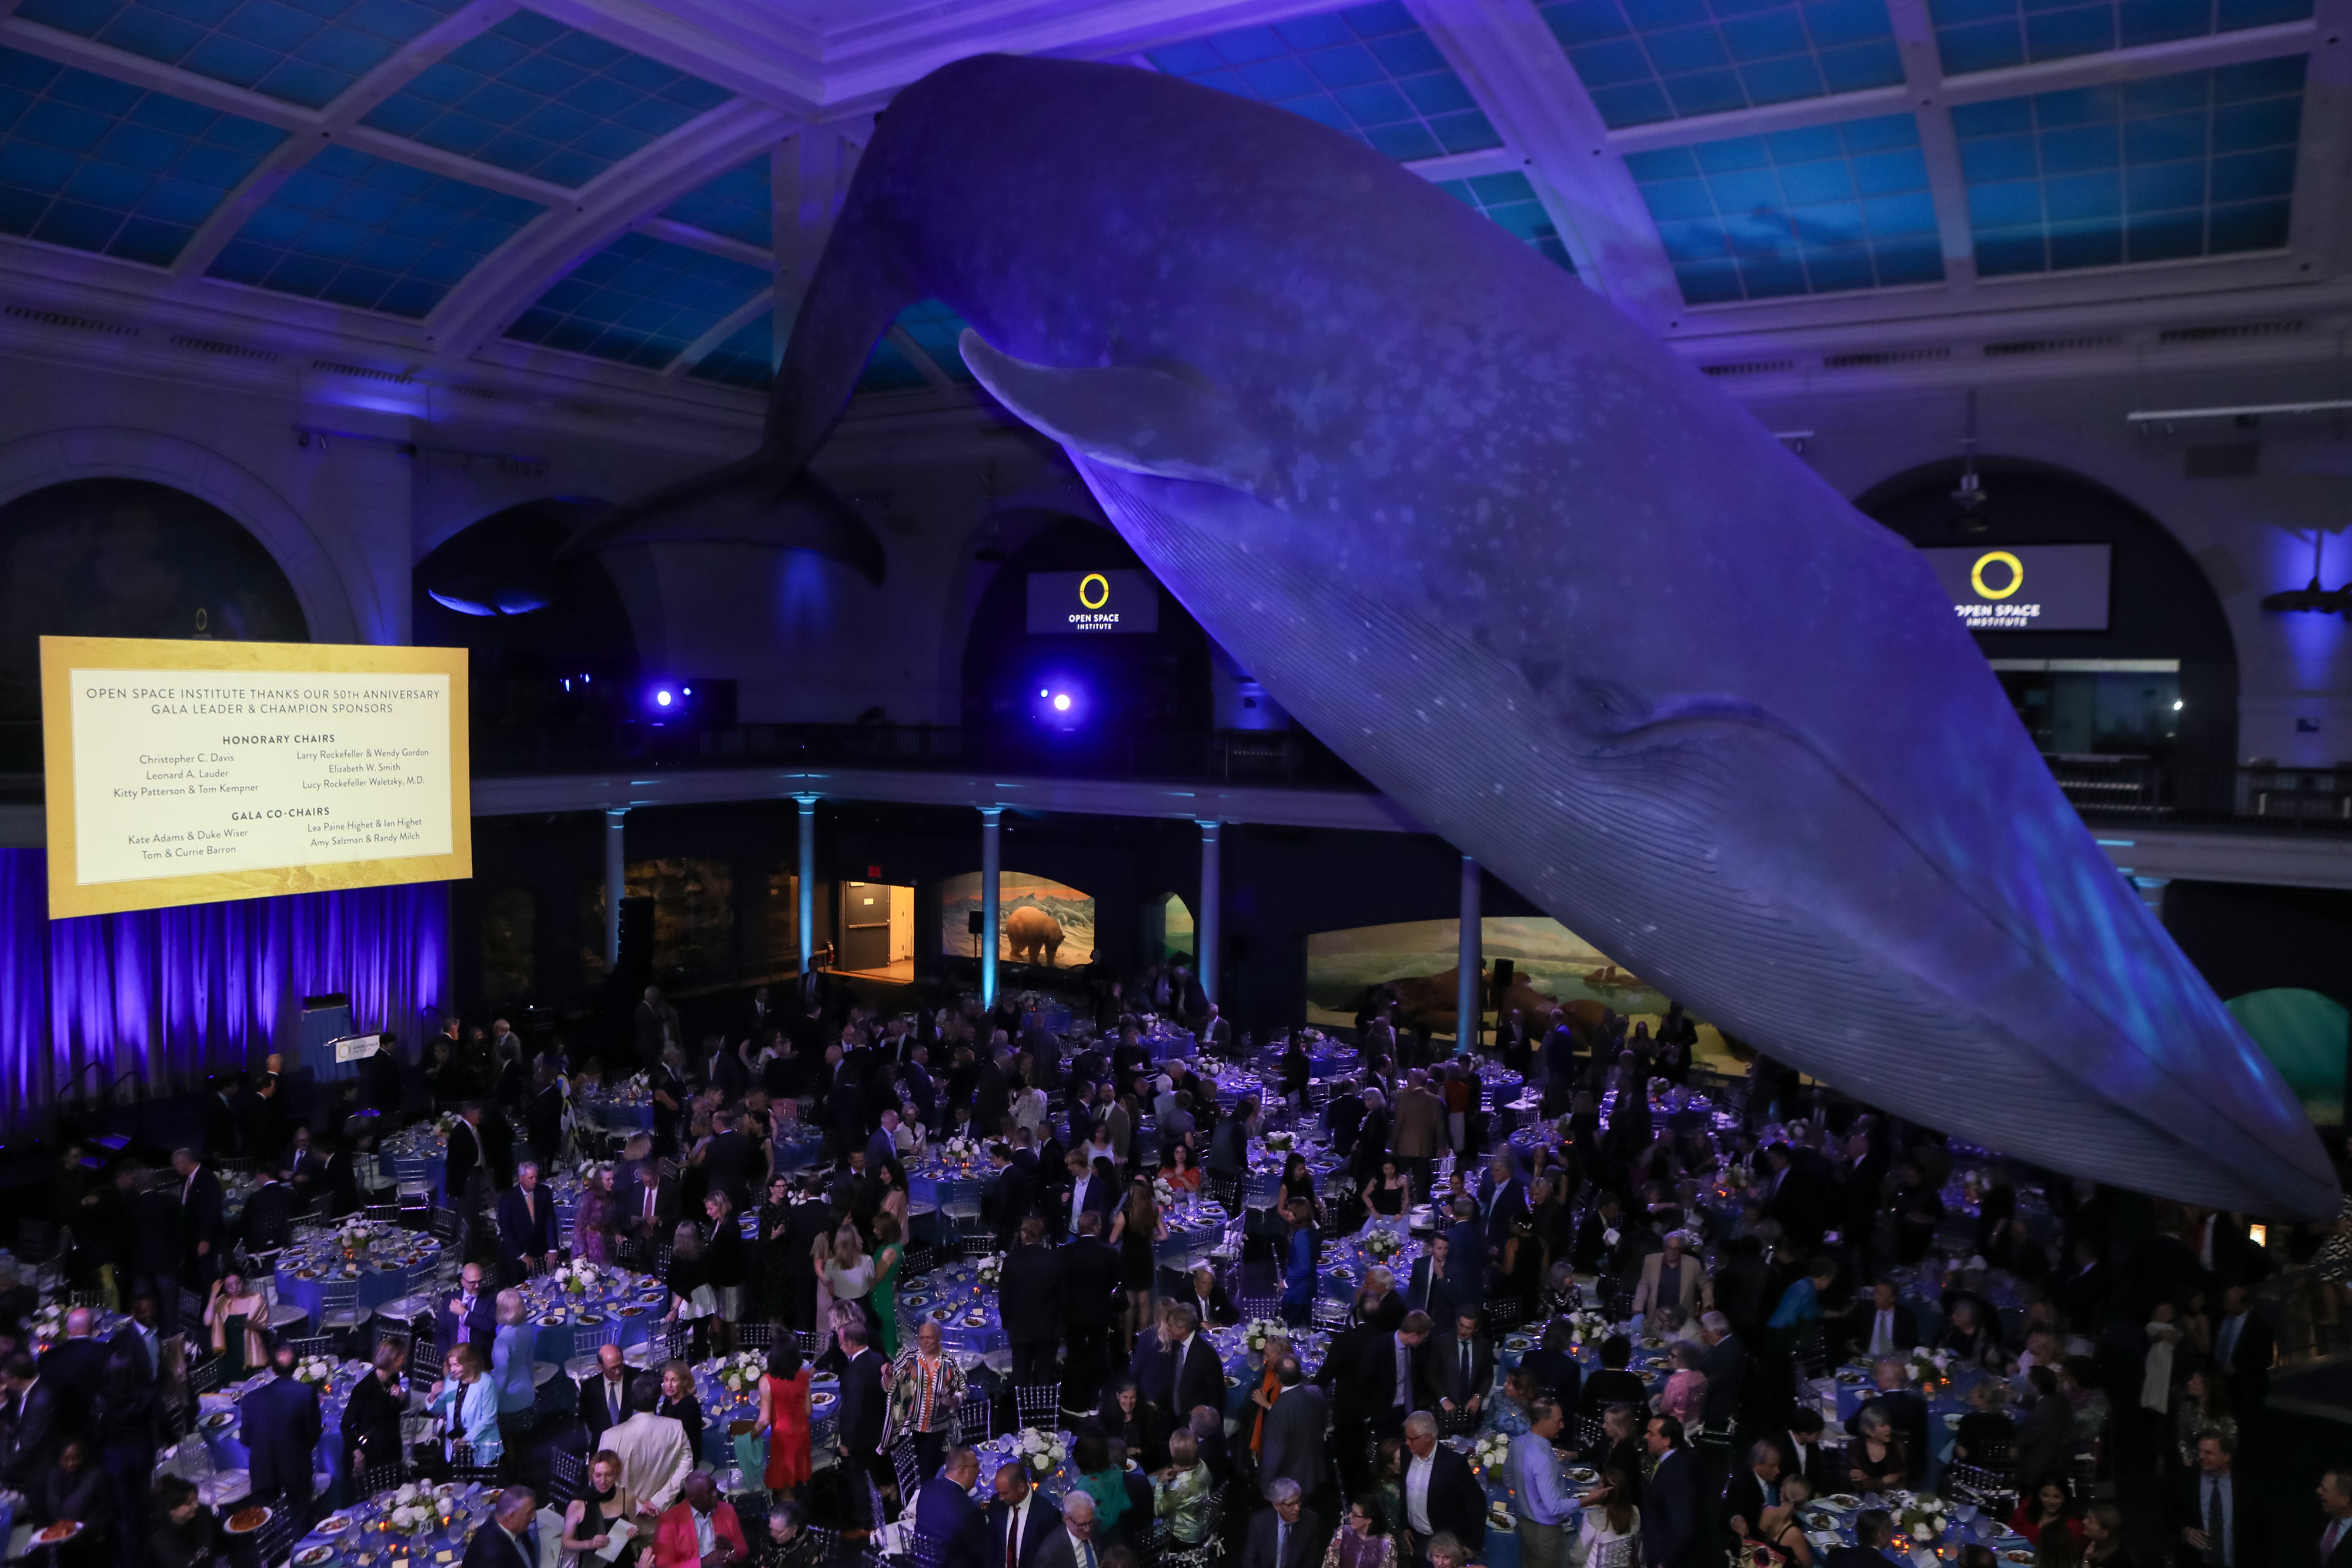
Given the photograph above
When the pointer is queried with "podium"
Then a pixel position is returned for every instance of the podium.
(325, 1019)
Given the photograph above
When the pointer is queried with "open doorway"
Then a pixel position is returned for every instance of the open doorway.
(877, 930)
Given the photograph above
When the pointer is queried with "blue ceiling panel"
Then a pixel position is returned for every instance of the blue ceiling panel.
(738, 204)
(1648, 60)
(640, 300)
(2195, 164)
(301, 51)
(1511, 201)
(366, 232)
(1819, 211)
(1367, 71)
(935, 328)
(98, 165)
(1989, 35)
(747, 359)
(540, 99)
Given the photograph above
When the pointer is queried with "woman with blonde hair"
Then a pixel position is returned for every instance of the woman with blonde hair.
(846, 1273)
(469, 1407)
(510, 1360)
(236, 1315)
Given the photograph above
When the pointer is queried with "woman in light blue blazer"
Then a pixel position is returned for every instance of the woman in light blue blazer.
(510, 1361)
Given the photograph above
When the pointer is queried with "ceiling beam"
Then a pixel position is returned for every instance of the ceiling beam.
(755, 50)
(2323, 166)
(811, 174)
(1467, 165)
(1939, 145)
(919, 357)
(389, 76)
(84, 54)
(624, 195)
(727, 326)
(694, 238)
(1520, 76)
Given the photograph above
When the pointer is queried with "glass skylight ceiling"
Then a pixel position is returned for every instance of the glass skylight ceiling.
(640, 300)
(746, 359)
(1986, 34)
(1647, 60)
(1511, 200)
(369, 233)
(2199, 163)
(935, 330)
(99, 165)
(1800, 212)
(302, 52)
(542, 98)
(1367, 71)
(737, 204)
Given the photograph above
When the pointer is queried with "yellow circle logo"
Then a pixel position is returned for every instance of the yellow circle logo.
(1100, 584)
(2016, 574)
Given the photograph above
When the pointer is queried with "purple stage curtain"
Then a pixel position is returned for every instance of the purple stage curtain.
(171, 994)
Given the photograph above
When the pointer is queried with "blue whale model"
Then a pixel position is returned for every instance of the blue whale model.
(1544, 585)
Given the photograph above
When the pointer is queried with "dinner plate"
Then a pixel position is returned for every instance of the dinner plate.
(312, 1556)
(1232, 1381)
(550, 1321)
(232, 1526)
(941, 1314)
(1953, 1419)
(63, 1530)
(220, 1420)
(633, 1311)
(1584, 1474)
(1519, 1341)
(975, 1320)
(2016, 1555)
(336, 1526)
(584, 1319)
(1843, 1499)
(919, 1300)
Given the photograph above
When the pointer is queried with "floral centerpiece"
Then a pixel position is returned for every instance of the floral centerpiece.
(1257, 1330)
(358, 1235)
(1380, 1245)
(990, 1269)
(739, 1373)
(1926, 1367)
(1040, 1451)
(1923, 1521)
(49, 1320)
(960, 1151)
(1490, 1453)
(411, 1509)
(315, 1370)
(1162, 1193)
(577, 1278)
(1586, 1327)
(446, 1122)
(1277, 1143)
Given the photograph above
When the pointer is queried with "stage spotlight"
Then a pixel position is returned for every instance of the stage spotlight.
(1061, 702)
(661, 698)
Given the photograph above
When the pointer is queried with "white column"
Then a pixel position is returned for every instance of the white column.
(990, 864)
(616, 882)
(1468, 1004)
(1204, 919)
(804, 918)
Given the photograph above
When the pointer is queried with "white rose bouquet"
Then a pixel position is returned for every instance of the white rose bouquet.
(412, 1509)
(1041, 1451)
(1490, 1453)
(1277, 1143)
(445, 1124)
(1260, 1330)
(960, 1151)
(1923, 1521)
(50, 1322)
(314, 1370)
(1382, 1245)
(1587, 1328)
(740, 1373)
(990, 1269)
(357, 1235)
(1162, 1193)
(1926, 1367)
(577, 1278)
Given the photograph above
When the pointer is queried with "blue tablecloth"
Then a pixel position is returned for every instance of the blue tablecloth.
(953, 1297)
(397, 1263)
(225, 1440)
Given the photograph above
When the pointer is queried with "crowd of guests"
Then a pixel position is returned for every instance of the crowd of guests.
(1814, 1231)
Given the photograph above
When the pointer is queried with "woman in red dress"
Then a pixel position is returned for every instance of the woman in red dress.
(785, 1417)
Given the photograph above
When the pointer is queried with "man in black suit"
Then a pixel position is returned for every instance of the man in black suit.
(604, 1397)
(220, 1118)
(143, 1336)
(1873, 1532)
(281, 1429)
(1613, 1384)
(1291, 1442)
(2208, 1507)
(1019, 1521)
(1071, 1543)
(811, 1218)
(268, 1222)
(1425, 1288)
(1452, 1501)
(1553, 1365)
(1724, 1363)
(1391, 1374)
(526, 1224)
(1670, 1536)
(1008, 1199)
(1091, 1191)
(1029, 1303)
(1511, 1047)
(1175, 1368)
(1755, 1488)
(1090, 1303)
(2244, 1345)
(201, 1230)
(1882, 1325)
(1460, 1367)
(946, 1515)
(1207, 1298)
(467, 1167)
(1341, 1377)
(1287, 1534)
(859, 1423)
(2336, 1502)
(1799, 1445)
(1593, 1251)
(470, 1315)
(1502, 1202)
(510, 1540)
(74, 1369)
(29, 1425)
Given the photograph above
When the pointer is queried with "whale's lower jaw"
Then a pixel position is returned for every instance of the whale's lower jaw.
(1867, 967)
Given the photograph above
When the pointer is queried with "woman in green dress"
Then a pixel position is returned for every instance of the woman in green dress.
(887, 1255)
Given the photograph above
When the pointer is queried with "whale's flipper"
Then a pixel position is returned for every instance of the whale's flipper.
(744, 503)
(1143, 421)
